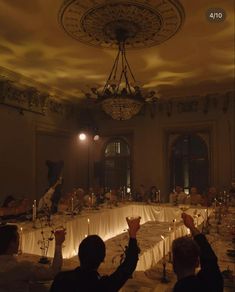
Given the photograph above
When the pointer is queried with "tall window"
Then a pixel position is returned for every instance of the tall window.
(117, 165)
(189, 163)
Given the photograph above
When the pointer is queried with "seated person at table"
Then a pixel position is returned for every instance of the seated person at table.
(187, 254)
(91, 254)
(210, 197)
(140, 194)
(15, 275)
(100, 196)
(12, 207)
(65, 202)
(45, 203)
(111, 196)
(89, 200)
(153, 195)
(194, 197)
(178, 197)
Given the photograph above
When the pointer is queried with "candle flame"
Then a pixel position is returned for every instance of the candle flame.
(162, 237)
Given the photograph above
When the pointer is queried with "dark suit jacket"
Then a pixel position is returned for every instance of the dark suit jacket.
(90, 281)
(209, 278)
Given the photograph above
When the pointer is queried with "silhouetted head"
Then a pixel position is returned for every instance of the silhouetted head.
(9, 239)
(91, 252)
(185, 255)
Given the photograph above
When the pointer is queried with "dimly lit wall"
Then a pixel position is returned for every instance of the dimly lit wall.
(27, 141)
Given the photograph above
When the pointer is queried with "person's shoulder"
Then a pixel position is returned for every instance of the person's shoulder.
(190, 283)
(67, 275)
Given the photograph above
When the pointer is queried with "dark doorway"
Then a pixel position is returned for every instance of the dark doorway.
(189, 163)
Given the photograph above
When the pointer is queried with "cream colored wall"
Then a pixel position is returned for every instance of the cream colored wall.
(150, 136)
(27, 141)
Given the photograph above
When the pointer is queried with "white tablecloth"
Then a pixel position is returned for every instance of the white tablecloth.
(107, 223)
(150, 243)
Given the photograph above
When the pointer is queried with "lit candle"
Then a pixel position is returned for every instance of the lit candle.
(174, 228)
(89, 201)
(20, 243)
(88, 226)
(164, 248)
(170, 247)
(34, 210)
(206, 210)
(72, 207)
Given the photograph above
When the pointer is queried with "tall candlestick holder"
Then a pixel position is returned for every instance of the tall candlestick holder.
(72, 207)
(164, 278)
(20, 242)
(206, 224)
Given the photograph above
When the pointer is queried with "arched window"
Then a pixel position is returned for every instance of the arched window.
(117, 165)
(189, 163)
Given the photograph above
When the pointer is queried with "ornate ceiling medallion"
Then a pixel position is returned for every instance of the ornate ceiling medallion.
(147, 23)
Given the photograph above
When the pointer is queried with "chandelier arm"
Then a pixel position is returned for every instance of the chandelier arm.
(127, 82)
(116, 65)
(124, 67)
(113, 71)
(128, 65)
(120, 80)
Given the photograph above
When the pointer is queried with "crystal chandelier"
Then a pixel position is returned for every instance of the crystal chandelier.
(124, 25)
(121, 97)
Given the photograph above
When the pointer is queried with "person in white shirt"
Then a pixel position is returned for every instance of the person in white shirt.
(46, 200)
(178, 197)
(16, 275)
(195, 198)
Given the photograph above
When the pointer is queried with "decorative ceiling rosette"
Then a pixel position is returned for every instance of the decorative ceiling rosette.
(95, 22)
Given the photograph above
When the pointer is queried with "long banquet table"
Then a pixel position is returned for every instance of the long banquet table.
(106, 222)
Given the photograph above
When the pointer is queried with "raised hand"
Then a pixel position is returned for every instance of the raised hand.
(60, 236)
(189, 223)
(134, 225)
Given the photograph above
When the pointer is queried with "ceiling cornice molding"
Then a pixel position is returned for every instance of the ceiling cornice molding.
(25, 98)
(26, 82)
(193, 104)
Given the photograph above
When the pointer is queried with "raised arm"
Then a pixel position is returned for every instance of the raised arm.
(45, 273)
(210, 272)
(116, 280)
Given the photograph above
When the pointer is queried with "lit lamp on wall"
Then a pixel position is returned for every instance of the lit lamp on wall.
(82, 136)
